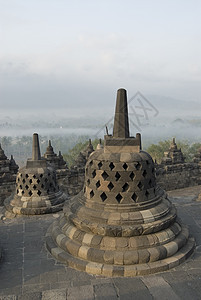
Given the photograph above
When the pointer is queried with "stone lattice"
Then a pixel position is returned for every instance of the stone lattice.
(122, 223)
(37, 191)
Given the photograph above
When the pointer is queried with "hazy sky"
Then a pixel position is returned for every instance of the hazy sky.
(76, 54)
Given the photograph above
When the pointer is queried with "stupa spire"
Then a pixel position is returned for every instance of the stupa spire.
(36, 148)
(121, 125)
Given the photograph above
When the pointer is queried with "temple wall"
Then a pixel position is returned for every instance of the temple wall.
(178, 176)
(6, 189)
(169, 177)
(73, 183)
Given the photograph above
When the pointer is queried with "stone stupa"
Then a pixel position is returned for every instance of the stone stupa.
(173, 155)
(37, 191)
(8, 171)
(121, 224)
(56, 161)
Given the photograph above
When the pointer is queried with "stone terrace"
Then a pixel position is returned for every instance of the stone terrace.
(27, 271)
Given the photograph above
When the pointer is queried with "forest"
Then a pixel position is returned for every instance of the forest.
(70, 146)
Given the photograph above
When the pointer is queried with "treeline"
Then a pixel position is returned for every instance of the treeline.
(157, 150)
(21, 146)
(71, 146)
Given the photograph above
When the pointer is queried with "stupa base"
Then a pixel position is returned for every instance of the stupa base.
(113, 270)
(43, 205)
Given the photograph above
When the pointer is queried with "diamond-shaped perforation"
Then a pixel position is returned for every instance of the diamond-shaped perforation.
(119, 198)
(42, 185)
(147, 194)
(150, 183)
(140, 185)
(125, 166)
(147, 162)
(134, 197)
(34, 187)
(104, 175)
(20, 186)
(132, 175)
(38, 181)
(39, 193)
(112, 166)
(91, 163)
(98, 184)
(26, 187)
(125, 187)
(110, 186)
(88, 182)
(41, 175)
(94, 174)
(27, 176)
(117, 176)
(34, 176)
(30, 193)
(103, 196)
(137, 166)
(17, 191)
(144, 173)
(91, 194)
(100, 165)
(23, 180)
(30, 181)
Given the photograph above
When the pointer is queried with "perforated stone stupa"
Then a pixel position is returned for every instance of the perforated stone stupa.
(37, 191)
(121, 224)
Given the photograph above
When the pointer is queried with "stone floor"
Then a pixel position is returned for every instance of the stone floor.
(27, 271)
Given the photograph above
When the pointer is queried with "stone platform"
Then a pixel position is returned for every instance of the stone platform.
(27, 271)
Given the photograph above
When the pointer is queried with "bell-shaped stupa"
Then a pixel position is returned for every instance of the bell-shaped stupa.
(37, 191)
(121, 224)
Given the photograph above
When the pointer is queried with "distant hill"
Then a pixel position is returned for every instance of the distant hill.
(163, 103)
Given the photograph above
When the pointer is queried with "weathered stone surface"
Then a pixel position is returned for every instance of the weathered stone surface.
(8, 171)
(37, 191)
(121, 204)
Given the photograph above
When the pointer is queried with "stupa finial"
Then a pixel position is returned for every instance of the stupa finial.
(36, 148)
(121, 125)
(49, 143)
